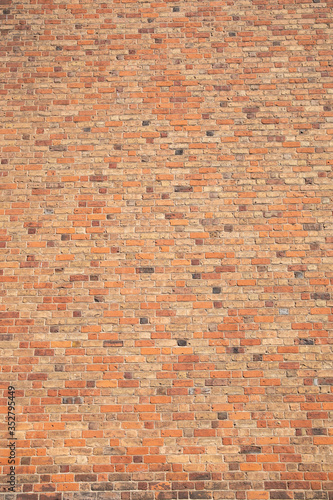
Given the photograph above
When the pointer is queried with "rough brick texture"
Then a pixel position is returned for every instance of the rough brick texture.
(166, 235)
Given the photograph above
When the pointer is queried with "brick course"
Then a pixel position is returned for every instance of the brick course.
(166, 241)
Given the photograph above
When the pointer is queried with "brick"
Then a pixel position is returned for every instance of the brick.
(250, 449)
(165, 291)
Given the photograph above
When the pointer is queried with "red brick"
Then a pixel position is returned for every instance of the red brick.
(166, 177)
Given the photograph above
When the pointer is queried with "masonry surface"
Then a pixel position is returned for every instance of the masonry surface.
(166, 241)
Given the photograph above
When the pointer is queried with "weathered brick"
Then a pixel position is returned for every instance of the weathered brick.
(165, 227)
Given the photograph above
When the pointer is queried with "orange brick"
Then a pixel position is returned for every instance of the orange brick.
(165, 287)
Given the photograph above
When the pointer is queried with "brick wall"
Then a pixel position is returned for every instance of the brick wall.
(166, 236)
